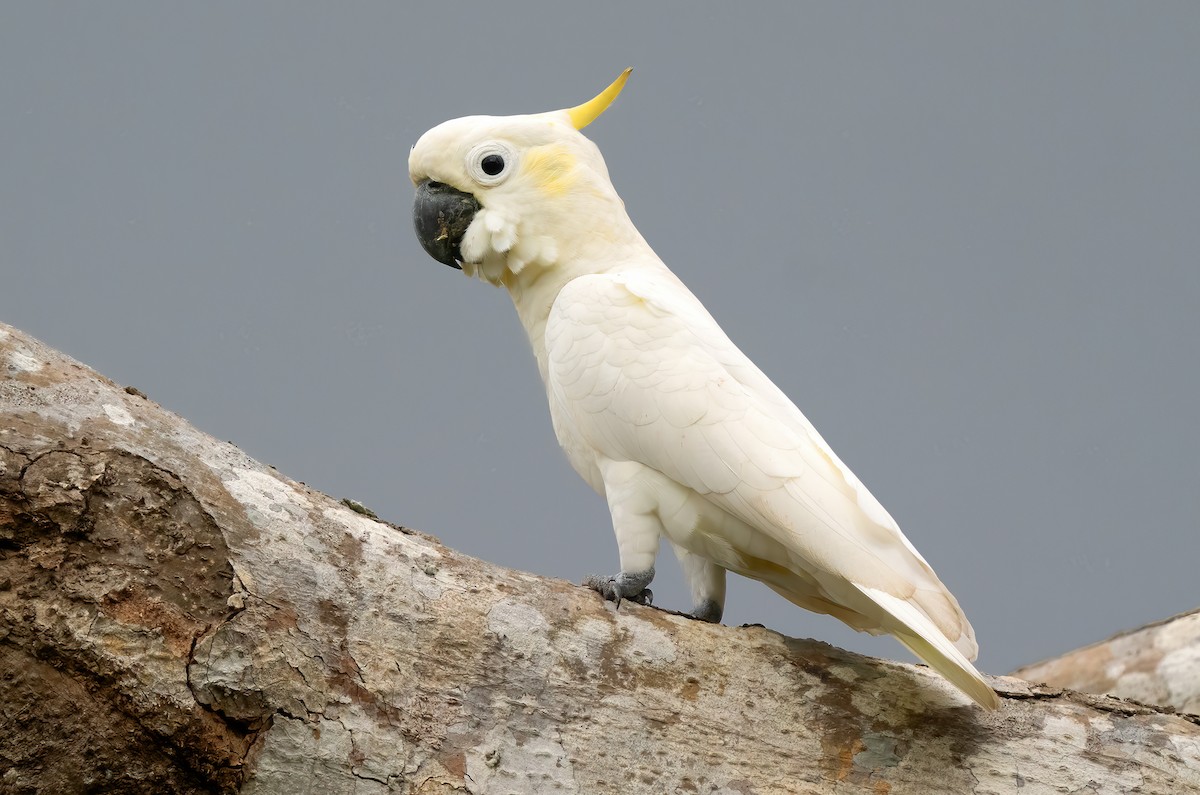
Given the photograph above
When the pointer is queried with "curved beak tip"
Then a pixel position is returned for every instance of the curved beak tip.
(441, 215)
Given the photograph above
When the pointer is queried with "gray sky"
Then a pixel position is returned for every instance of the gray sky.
(964, 238)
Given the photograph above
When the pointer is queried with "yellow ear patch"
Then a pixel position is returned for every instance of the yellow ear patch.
(551, 167)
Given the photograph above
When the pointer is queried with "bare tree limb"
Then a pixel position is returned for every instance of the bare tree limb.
(1155, 664)
(175, 617)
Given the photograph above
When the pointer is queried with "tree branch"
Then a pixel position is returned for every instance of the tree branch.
(1155, 664)
(175, 617)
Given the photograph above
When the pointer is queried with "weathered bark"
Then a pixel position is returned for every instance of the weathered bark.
(1155, 664)
(175, 617)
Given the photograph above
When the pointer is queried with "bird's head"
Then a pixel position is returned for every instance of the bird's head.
(499, 194)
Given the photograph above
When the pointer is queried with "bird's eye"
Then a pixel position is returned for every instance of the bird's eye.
(490, 163)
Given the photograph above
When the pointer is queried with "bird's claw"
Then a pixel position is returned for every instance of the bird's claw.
(625, 585)
(643, 597)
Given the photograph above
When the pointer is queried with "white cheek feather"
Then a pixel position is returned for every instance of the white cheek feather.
(489, 233)
(503, 231)
(531, 249)
(526, 250)
(491, 220)
(493, 244)
(474, 244)
(494, 265)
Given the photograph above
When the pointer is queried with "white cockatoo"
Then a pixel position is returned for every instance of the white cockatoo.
(655, 407)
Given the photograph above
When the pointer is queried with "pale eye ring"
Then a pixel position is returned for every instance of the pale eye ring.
(490, 163)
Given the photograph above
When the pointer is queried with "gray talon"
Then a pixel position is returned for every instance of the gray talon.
(626, 585)
(646, 597)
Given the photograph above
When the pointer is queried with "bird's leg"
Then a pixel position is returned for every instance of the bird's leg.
(637, 528)
(707, 582)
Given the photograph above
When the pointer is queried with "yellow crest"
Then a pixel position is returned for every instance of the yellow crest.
(588, 112)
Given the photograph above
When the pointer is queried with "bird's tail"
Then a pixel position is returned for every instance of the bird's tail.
(915, 630)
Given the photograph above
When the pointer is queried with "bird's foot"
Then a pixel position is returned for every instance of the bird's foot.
(709, 610)
(626, 585)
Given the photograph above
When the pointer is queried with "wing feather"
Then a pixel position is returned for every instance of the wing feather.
(645, 374)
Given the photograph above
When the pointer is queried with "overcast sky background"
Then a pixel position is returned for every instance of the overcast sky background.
(964, 238)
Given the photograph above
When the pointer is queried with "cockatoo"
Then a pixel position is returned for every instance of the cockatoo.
(653, 404)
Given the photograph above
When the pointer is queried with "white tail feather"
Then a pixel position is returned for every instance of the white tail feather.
(914, 629)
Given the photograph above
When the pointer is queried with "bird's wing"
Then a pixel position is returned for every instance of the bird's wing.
(645, 374)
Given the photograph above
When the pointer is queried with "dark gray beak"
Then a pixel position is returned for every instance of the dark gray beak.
(441, 215)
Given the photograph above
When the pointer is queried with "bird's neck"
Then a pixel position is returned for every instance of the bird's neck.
(535, 288)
